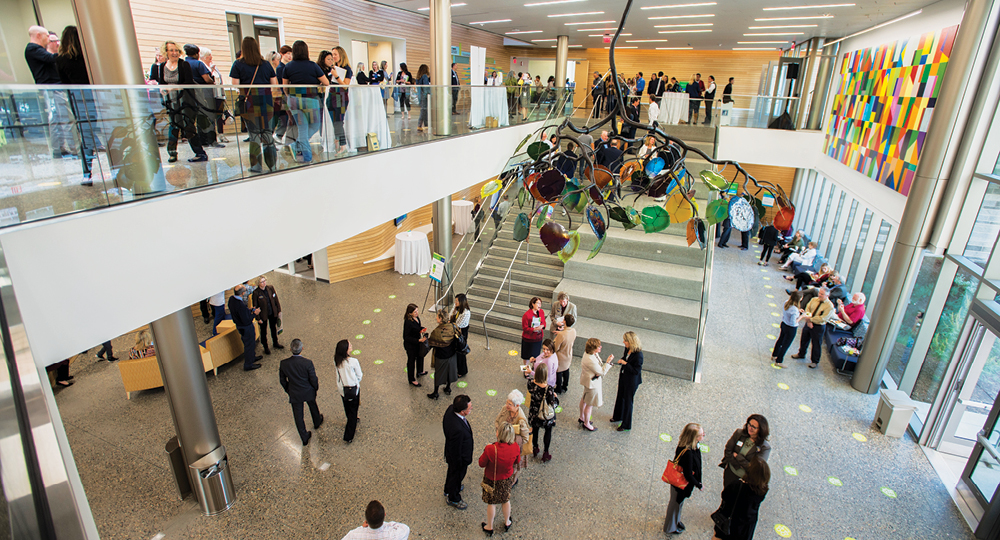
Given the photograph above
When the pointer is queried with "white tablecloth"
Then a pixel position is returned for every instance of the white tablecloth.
(365, 114)
(413, 253)
(673, 108)
(461, 214)
(488, 101)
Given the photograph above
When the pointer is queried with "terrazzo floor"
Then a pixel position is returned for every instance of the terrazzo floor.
(833, 476)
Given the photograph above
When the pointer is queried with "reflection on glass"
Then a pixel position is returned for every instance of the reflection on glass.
(930, 270)
(830, 250)
(876, 260)
(824, 218)
(986, 475)
(946, 334)
(856, 259)
(984, 232)
(842, 258)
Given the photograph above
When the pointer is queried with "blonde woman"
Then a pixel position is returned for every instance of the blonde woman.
(143, 345)
(593, 371)
(628, 381)
(339, 96)
(497, 462)
(512, 413)
(688, 458)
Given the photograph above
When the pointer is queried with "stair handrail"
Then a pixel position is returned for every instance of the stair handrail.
(500, 290)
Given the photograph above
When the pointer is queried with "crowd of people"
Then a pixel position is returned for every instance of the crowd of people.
(602, 91)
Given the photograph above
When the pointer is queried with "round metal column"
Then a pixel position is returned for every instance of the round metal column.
(441, 68)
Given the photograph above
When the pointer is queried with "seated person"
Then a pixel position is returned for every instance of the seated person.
(811, 279)
(610, 156)
(648, 149)
(567, 162)
(855, 311)
(836, 287)
(790, 246)
(805, 258)
(143, 345)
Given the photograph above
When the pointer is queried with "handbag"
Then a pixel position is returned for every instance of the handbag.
(241, 101)
(350, 392)
(488, 489)
(674, 474)
(461, 344)
(722, 521)
(548, 411)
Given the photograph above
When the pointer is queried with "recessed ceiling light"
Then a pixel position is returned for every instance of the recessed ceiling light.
(453, 5)
(807, 7)
(588, 22)
(683, 31)
(683, 25)
(757, 42)
(541, 40)
(595, 29)
(577, 14)
(795, 18)
(491, 22)
(680, 16)
(645, 40)
(570, 46)
(784, 26)
(602, 35)
(754, 49)
(552, 2)
(623, 47)
(674, 48)
(523, 32)
(680, 5)
(876, 27)
(776, 34)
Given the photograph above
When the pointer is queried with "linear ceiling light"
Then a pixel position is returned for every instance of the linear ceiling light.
(491, 22)
(570, 46)
(795, 18)
(784, 26)
(588, 22)
(541, 40)
(683, 31)
(645, 40)
(552, 2)
(776, 34)
(674, 48)
(753, 42)
(680, 16)
(576, 14)
(877, 26)
(595, 29)
(683, 25)
(754, 49)
(681, 5)
(602, 35)
(453, 5)
(807, 7)
(523, 32)
(623, 47)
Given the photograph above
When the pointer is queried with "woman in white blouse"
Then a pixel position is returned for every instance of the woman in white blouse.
(590, 377)
(461, 318)
(648, 149)
(349, 385)
(805, 258)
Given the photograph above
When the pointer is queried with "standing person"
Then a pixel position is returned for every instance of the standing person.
(376, 527)
(640, 84)
(454, 89)
(747, 443)
(524, 93)
(591, 373)
(303, 104)
(205, 99)
(44, 70)
(297, 375)
(458, 444)
(497, 461)
(512, 83)
(423, 95)
(541, 411)
(182, 105)
(339, 97)
(461, 318)
(688, 458)
(560, 308)
(654, 109)
(73, 70)
(565, 337)
(501, 211)
(694, 100)
(532, 330)
(403, 79)
(362, 75)
(477, 216)
(106, 349)
(413, 339)
(741, 501)
(726, 229)
(218, 303)
(818, 310)
(374, 74)
(549, 359)
(256, 105)
(445, 348)
(243, 319)
(709, 98)
(281, 114)
(349, 385)
(790, 318)
(628, 381)
(266, 300)
(768, 238)
(512, 413)
(597, 92)
(219, 94)
(727, 92)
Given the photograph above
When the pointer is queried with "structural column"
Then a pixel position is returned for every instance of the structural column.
(562, 56)
(821, 89)
(963, 79)
(441, 96)
(441, 217)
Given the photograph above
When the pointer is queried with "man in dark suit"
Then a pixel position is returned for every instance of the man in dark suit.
(454, 89)
(632, 113)
(266, 300)
(243, 318)
(457, 448)
(656, 86)
(610, 156)
(297, 376)
(597, 92)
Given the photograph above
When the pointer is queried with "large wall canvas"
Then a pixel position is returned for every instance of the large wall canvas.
(884, 105)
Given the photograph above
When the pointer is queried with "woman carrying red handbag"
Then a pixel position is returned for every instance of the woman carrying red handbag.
(688, 459)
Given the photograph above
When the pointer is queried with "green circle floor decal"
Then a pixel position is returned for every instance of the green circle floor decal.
(783, 386)
(776, 325)
(769, 295)
(359, 336)
(773, 314)
(769, 336)
(377, 310)
(767, 278)
(491, 392)
(665, 437)
(392, 296)
(805, 408)
(423, 275)
(768, 287)
(378, 362)
(512, 352)
(791, 471)
(772, 304)
(356, 351)
(782, 531)
(558, 409)
(859, 437)
(366, 321)
(410, 284)
(888, 492)
(834, 481)
(703, 447)
(462, 384)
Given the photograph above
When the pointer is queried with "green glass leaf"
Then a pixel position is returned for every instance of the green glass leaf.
(717, 211)
(713, 180)
(567, 252)
(522, 197)
(655, 219)
(524, 141)
(535, 149)
(597, 248)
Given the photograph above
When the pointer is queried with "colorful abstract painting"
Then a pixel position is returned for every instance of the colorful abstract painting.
(884, 105)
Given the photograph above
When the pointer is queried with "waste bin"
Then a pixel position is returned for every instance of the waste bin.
(894, 411)
(214, 483)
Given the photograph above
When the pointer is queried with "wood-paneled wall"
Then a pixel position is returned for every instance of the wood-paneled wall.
(782, 176)
(346, 259)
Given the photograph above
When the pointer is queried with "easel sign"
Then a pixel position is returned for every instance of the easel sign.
(437, 267)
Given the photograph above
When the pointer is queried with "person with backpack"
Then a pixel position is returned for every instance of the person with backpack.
(444, 343)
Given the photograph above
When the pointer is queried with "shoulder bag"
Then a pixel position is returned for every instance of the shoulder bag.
(722, 521)
(241, 101)
(350, 392)
(461, 344)
(674, 474)
(547, 412)
(488, 489)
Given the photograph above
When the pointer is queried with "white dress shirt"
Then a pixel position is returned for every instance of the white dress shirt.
(390, 530)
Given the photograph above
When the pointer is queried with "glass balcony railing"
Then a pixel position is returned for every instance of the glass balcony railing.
(676, 108)
(72, 148)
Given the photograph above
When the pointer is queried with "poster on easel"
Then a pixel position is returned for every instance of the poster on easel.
(437, 267)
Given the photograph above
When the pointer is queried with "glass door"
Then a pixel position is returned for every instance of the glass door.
(982, 476)
(974, 390)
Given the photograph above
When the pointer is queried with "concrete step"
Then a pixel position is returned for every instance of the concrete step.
(639, 274)
(480, 302)
(638, 244)
(525, 274)
(661, 313)
(541, 268)
(491, 283)
(662, 353)
(536, 253)
(500, 336)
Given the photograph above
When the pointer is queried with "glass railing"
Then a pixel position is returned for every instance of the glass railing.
(676, 108)
(72, 148)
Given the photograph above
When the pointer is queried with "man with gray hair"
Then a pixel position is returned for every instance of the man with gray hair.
(297, 376)
(42, 63)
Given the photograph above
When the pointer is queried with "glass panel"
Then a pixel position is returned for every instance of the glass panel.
(876, 260)
(977, 409)
(984, 232)
(986, 475)
(830, 250)
(856, 259)
(927, 278)
(842, 256)
(949, 328)
(825, 217)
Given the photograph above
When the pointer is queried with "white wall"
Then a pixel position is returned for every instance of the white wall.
(82, 279)
(800, 149)
(397, 45)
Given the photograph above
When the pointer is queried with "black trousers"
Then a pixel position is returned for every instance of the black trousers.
(454, 99)
(463, 364)
(536, 428)
(300, 424)
(745, 239)
(785, 338)
(693, 107)
(453, 480)
(765, 252)
(351, 411)
(708, 111)
(249, 345)
(599, 103)
(812, 335)
(802, 279)
(623, 403)
(203, 305)
(273, 323)
(106, 349)
(562, 381)
(414, 362)
(726, 231)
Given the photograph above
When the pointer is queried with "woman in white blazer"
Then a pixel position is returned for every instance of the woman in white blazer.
(349, 376)
(591, 375)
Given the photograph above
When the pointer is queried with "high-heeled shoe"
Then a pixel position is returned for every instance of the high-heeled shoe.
(489, 532)
(507, 526)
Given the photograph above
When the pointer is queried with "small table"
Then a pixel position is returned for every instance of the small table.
(461, 214)
(413, 253)
(489, 101)
(673, 108)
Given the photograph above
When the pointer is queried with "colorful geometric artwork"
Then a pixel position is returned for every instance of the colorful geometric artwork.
(884, 106)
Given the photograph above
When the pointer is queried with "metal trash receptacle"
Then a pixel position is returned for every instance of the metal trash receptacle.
(894, 411)
(214, 483)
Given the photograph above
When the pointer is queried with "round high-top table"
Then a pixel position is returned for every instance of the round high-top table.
(461, 214)
(413, 253)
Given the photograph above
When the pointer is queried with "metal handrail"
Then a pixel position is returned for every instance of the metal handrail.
(500, 290)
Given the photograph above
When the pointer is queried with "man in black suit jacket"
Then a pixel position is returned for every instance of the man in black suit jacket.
(454, 89)
(243, 318)
(457, 448)
(297, 376)
(610, 156)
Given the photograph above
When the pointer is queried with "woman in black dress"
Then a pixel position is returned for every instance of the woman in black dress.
(181, 105)
(73, 70)
(403, 79)
(741, 502)
(688, 457)
(412, 340)
(628, 381)
(256, 105)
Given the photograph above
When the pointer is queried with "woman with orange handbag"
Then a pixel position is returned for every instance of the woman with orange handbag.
(688, 458)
